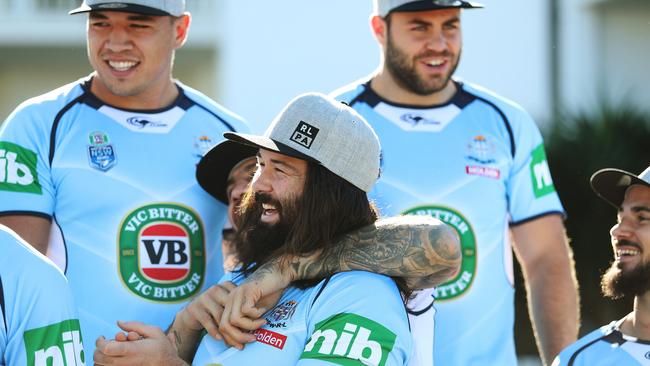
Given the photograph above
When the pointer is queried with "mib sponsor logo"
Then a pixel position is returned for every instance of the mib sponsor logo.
(350, 340)
(58, 344)
(18, 169)
(304, 134)
(162, 252)
(540, 173)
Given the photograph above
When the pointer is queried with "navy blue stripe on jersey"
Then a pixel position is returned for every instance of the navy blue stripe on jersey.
(614, 337)
(513, 148)
(2, 305)
(420, 312)
(528, 219)
(27, 213)
(65, 245)
(228, 125)
(327, 280)
(56, 123)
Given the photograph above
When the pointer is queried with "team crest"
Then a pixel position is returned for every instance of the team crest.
(161, 252)
(284, 311)
(202, 145)
(101, 154)
(460, 284)
(481, 150)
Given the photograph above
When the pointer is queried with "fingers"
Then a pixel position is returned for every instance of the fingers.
(141, 329)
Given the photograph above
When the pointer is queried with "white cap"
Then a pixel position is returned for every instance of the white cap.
(316, 127)
(383, 7)
(149, 7)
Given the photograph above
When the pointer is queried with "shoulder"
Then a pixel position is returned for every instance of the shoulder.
(509, 108)
(203, 101)
(45, 107)
(585, 346)
(349, 92)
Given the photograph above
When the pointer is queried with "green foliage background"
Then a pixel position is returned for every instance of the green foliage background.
(577, 146)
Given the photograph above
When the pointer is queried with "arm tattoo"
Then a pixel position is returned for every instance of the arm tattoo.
(420, 249)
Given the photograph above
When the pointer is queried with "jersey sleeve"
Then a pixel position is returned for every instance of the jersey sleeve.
(42, 322)
(530, 188)
(357, 318)
(25, 181)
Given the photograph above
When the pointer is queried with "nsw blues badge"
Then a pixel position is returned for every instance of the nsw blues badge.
(101, 153)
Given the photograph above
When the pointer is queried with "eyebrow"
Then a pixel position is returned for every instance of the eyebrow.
(418, 21)
(637, 209)
(281, 163)
(133, 17)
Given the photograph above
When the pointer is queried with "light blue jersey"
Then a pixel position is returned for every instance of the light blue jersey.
(606, 346)
(353, 318)
(139, 234)
(39, 324)
(478, 164)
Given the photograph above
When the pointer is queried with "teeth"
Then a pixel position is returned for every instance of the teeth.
(122, 65)
(268, 207)
(435, 62)
(622, 252)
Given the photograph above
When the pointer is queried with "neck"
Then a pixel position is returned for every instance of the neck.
(637, 323)
(151, 98)
(384, 84)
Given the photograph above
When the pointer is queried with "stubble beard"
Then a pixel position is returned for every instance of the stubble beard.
(402, 68)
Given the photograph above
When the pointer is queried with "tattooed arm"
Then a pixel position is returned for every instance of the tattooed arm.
(420, 249)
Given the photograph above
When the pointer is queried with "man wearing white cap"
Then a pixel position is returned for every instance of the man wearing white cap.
(316, 163)
(476, 161)
(625, 341)
(105, 167)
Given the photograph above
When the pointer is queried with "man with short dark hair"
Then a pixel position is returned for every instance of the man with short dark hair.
(106, 165)
(625, 341)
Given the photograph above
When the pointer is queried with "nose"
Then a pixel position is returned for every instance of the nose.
(118, 40)
(437, 41)
(261, 181)
(621, 230)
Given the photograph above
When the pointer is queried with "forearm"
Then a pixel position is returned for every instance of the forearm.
(553, 305)
(186, 339)
(420, 249)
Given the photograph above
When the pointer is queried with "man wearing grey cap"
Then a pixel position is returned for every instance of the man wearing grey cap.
(625, 341)
(105, 168)
(475, 160)
(316, 163)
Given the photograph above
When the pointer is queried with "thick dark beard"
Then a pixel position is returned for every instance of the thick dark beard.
(256, 241)
(403, 70)
(617, 283)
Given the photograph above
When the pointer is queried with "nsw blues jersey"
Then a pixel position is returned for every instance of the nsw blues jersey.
(139, 234)
(38, 323)
(478, 164)
(604, 347)
(353, 318)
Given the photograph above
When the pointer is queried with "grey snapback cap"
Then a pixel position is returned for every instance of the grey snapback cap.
(383, 7)
(611, 184)
(318, 128)
(150, 7)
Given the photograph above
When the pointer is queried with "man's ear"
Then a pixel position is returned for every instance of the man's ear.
(379, 28)
(181, 29)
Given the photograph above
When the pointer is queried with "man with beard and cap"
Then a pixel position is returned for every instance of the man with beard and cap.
(316, 163)
(624, 342)
(476, 161)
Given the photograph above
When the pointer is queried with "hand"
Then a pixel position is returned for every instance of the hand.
(204, 312)
(152, 347)
(243, 312)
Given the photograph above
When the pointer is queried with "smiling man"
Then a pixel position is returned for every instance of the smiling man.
(106, 166)
(625, 341)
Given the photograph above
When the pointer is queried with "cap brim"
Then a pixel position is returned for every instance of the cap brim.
(429, 5)
(123, 7)
(267, 144)
(611, 184)
(214, 168)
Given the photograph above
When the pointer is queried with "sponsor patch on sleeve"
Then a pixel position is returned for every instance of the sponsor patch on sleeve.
(350, 340)
(540, 173)
(56, 344)
(18, 169)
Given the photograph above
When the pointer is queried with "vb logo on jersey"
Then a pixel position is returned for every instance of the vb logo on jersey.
(18, 169)
(540, 173)
(161, 252)
(360, 340)
(463, 281)
(58, 344)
